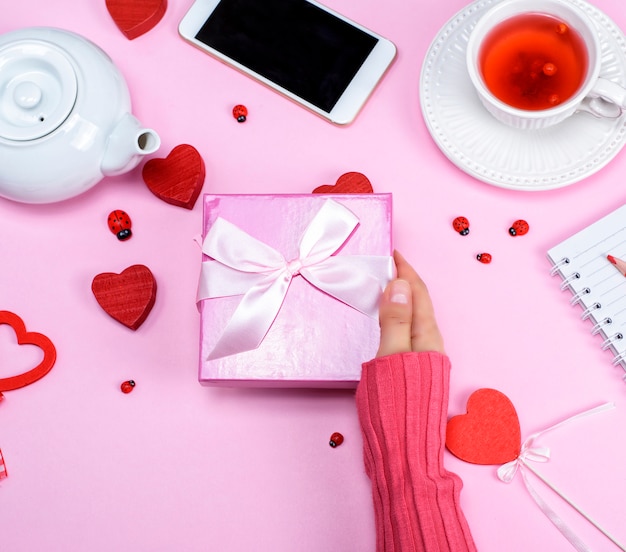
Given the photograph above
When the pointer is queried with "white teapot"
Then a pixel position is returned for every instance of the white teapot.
(65, 119)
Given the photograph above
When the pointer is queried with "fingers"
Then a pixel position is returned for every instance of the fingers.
(407, 316)
(396, 314)
(425, 335)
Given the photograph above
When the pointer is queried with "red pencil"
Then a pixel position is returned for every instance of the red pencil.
(619, 264)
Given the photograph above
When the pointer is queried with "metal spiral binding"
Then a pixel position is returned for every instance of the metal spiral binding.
(610, 340)
(619, 358)
(598, 327)
(567, 281)
(587, 312)
(576, 298)
(557, 267)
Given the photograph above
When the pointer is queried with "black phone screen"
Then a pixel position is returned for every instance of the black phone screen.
(293, 43)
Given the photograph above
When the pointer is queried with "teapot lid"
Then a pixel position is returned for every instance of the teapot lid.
(38, 88)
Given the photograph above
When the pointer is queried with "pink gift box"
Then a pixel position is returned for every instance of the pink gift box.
(315, 340)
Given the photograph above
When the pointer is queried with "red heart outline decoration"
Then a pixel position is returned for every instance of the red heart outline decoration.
(136, 17)
(177, 179)
(28, 338)
(3, 468)
(348, 183)
(490, 431)
(127, 297)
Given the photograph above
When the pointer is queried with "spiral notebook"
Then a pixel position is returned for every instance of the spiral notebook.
(592, 265)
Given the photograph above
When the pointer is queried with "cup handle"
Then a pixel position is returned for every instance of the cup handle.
(606, 99)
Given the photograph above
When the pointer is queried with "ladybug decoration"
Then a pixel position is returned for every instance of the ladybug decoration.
(461, 225)
(484, 258)
(127, 386)
(519, 228)
(240, 112)
(119, 223)
(335, 439)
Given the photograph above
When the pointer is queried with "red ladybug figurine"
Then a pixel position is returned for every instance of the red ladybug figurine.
(119, 223)
(127, 386)
(519, 228)
(335, 439)
(484, 258)
(240, 112)
(461, 225)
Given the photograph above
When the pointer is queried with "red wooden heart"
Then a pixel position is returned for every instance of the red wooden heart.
(127, 297)
(136, 17)
(177, 179)
(28, 338)
(349, 183)
(489, 433)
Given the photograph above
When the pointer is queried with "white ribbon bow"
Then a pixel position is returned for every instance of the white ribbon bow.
(243, 265)
(507, 472)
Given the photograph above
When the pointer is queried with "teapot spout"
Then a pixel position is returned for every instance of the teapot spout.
(126, 146)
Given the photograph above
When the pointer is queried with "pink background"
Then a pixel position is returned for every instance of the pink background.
(176, 466)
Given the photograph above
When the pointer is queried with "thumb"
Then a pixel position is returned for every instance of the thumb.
(395, 313)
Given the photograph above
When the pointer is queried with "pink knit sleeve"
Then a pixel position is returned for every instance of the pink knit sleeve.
(402, 401)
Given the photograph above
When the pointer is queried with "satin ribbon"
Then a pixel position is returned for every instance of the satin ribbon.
(529, 453)
(243, 265)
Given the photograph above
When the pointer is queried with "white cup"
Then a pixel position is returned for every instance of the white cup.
(595, 95)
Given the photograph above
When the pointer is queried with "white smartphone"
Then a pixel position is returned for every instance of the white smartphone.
(299, 48)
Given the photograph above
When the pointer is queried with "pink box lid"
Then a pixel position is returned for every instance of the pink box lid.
(316, 340)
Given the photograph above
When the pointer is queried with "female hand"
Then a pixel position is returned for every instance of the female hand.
(407, 317)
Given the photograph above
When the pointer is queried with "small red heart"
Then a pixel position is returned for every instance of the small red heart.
(127, 297)
(177, 179)
(349, 183)
(136, 17)
(28, 338)
(489, 433)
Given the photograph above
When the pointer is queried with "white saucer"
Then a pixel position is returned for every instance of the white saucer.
(497, 154)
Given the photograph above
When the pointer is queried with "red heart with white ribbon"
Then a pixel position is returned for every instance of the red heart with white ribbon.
(490, 434)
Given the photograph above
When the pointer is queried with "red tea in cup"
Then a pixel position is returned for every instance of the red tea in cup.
(533, 61)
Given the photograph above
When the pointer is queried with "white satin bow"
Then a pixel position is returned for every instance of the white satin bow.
(243, 265)
(507, 472)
